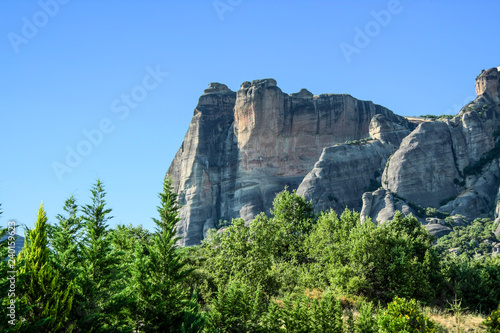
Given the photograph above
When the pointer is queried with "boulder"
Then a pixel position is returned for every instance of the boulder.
(438, 230)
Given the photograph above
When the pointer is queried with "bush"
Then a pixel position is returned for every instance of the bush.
(237, 309)
(471, 239)
(404, 315)
(366, 322)
(320, 314)
(493, 322)
(378, 262)
(474, 280)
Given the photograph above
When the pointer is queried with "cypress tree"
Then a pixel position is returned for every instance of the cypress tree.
(44, 301)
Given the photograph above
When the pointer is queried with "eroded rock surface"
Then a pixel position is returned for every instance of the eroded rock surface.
(450, 165)
(242, 148)
(344, 172)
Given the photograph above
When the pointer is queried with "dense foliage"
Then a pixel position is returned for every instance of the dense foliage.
(493, 321)
(289, 271)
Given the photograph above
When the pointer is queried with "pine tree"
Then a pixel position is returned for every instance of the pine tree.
(98, 281)
(194, 321)
(65, 241)
(46, 302)
(158, 272)
(127, 242)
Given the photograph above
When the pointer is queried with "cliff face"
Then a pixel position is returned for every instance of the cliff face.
(344, 172)
(242, 148)
(451, 165)
(203, 169)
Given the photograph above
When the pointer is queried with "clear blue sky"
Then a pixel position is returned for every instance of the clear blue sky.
(68, 68)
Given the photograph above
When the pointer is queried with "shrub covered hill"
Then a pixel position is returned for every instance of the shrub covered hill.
(243, 147)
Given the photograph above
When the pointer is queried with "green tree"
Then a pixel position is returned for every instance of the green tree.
(235, 255)
(158, 273)
(382, 261)
(125, 240)
(366, 322)
(99, 282)
(46, 301)
(404, 315)
(327, 314)
(194, 321)
(64, 238)
(294, 218)
(474, 280)
(231, 310)
(395, 258)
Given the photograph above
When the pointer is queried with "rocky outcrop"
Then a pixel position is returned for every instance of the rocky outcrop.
(344, 172)
(204, 167)
(242, 148)
(450, 165)
(488, 83)
(438, 230)
(380, 206)
(423, 169)
(496, 229)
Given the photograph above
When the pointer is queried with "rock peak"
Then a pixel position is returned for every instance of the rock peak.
(216, 87)
(303, 93)
(264, 83)
(488, 83)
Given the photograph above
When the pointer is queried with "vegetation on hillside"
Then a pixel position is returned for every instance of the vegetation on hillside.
(289, 271)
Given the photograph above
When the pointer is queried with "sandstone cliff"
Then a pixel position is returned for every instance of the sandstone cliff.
(242, 148)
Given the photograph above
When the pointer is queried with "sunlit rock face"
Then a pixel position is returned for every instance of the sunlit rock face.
(243, 147)
(451, 165)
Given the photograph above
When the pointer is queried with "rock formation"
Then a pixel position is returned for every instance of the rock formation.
(243, 147)
(450, 165)
(344, 172)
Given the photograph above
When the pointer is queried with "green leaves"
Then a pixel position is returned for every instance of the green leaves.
(404, 315)
(43, 301)
(293, 219)
(161, 302)
(65, 236)
(244, 278)
(492, 322)
(99, 279)
(377, 261)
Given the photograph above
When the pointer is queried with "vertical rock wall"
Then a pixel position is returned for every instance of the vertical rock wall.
(242, 148)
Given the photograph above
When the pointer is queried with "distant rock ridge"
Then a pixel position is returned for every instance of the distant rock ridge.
(243, 147)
